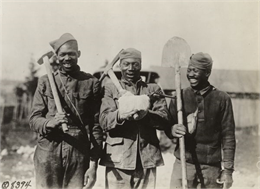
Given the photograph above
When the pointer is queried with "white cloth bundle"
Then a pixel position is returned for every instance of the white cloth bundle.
(129, 102)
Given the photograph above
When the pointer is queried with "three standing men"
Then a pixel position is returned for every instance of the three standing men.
(67, 160)
(132, 152)
(210, 140)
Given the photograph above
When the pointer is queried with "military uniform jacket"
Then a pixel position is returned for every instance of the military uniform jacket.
(131, 139)
(83, 91)
(215, 129)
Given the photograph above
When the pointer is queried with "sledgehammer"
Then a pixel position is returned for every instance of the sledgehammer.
(45, 59)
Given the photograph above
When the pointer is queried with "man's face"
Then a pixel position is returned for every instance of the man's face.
(198, 78)
(68, 55)
(130, 68)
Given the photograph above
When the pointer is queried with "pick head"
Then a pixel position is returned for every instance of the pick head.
(176, 52)
(49, 54)
(110, 65)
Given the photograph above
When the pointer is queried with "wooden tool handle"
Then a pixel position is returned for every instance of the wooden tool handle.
(54, 90)
(115, 80)
(180, 121)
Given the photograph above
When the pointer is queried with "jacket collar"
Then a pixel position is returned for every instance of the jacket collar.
(72, 74)
(205, 90)
(131, 83)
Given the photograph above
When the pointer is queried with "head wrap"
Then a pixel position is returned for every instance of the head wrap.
(201, 61)
(130, 53)
(56, 44)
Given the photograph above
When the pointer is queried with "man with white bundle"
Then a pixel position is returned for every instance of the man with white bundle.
(130, 120)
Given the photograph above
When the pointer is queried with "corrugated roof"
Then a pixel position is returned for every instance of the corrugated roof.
(236, 81)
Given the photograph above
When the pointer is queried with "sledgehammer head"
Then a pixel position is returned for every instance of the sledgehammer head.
(49, 54)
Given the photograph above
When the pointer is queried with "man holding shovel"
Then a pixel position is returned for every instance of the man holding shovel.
(130, 119)
(209, 130)
(66, 158)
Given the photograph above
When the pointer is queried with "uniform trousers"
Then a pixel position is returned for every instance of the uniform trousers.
(130, 179)
(63, 166)
(201, 176)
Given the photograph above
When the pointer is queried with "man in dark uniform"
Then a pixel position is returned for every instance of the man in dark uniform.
(210, 141)
(67, 160)
(132, 150)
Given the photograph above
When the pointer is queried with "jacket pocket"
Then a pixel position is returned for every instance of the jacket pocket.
(81, 100)
(45, 144)
(114, 149)
(214, 154)
(114, 141)
(208, 154)
(82, 95)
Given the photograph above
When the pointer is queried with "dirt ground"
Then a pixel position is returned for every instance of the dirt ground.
(18, 144)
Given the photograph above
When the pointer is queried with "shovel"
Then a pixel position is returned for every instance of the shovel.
(176, 53)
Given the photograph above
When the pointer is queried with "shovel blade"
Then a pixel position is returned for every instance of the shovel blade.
(176, 52)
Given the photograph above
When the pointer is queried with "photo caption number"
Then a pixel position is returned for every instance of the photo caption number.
(16, 185)
(5, 185)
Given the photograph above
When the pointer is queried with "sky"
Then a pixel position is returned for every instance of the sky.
(227, 30)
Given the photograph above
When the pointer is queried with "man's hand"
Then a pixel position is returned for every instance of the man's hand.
(126, 115)
(57, 120)
(178, 130)
(140, 114)
(133, 107)
(124, 110)
(226, 179)
(90, 175)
